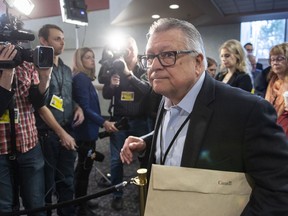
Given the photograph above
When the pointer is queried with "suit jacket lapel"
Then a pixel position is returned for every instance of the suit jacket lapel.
(151, 159)
(198, 124)
(199, 121)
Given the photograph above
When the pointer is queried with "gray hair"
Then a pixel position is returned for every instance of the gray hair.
(193, 37)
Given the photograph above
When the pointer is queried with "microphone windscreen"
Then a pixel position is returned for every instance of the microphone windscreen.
(118, 66)
(16, 35)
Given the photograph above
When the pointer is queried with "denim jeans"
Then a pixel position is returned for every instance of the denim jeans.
(30, 174)
(59, 172)
(137, 127)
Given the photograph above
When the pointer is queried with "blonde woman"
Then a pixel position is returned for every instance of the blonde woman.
(278, 83)
(234, 67)
(86, 134)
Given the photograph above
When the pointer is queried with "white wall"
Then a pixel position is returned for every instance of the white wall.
(214, 36)
(95, 36)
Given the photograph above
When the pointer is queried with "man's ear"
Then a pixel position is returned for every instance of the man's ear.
(199, 63)
(199, 59)
(43, 41)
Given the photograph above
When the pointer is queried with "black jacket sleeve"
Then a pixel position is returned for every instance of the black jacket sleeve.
(5, 98)
(36, 98)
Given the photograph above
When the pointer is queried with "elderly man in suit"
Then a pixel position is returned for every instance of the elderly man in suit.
(203, 123)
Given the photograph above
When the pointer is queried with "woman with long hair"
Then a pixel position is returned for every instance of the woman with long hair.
(277, 89)
(86, 134)
(234, 66)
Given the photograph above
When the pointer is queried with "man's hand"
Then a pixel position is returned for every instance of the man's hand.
(7, 53)
(115, 81)
(132, 144)
(110, 126)
(67, 141)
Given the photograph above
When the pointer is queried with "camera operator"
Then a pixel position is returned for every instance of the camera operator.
(129, 94)
(21, 157)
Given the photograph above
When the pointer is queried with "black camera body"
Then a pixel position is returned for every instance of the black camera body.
(10, 32)
(122, 124)
(110, 64)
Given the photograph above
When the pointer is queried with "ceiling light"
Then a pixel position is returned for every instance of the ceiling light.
(155, 16)
(24, 6)
(174, 6)
(74, 12)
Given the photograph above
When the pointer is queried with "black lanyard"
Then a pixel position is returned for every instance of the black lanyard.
(59, 81)
(163, 159)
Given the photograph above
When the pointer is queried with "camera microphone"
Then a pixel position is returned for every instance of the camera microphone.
(118, 65)
(16, 35)
(95, 155)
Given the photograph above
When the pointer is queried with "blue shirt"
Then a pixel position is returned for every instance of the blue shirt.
(172, 120)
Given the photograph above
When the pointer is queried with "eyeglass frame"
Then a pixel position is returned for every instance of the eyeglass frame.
(277, 59)
(153, 56)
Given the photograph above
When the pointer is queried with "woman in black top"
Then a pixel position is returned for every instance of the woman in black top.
(234, 66)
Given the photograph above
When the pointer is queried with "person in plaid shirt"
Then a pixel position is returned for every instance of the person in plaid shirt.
(22, 89)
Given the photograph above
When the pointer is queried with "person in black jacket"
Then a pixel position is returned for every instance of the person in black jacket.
(203, 123)
(234, 65)
(129, 91)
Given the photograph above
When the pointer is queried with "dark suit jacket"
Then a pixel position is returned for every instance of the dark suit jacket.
(233, 130)
(239, 79)
(259, 66)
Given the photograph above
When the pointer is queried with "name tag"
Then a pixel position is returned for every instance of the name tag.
(57, 103)
(4, 119)
(127, 96)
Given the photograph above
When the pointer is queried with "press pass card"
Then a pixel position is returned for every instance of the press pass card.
(4, 119)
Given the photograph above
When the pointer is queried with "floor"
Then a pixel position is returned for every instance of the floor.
(131, 197)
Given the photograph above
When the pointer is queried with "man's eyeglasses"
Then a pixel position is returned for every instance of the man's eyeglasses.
(166, 59)
(249, 50)
(277, 59)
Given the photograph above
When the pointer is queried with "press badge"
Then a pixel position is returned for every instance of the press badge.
(57, 103)
(127, 96)
(4, 119)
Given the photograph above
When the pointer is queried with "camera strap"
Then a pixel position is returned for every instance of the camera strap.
(11, 108)
(111, 107)
(12, 155)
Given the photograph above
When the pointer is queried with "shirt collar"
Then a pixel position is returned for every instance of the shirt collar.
(187, 103)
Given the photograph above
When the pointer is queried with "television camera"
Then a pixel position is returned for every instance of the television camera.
(10, 32)
(111, 64)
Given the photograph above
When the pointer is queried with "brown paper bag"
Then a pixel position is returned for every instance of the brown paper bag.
(180, 191)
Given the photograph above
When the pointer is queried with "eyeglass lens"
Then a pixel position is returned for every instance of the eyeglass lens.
(277, 59)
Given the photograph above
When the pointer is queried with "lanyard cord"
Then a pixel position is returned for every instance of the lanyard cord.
(163, 159)
(61, 75)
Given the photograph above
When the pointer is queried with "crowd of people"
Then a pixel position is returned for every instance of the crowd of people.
(195, 116)
(58, 119)
(239, 68)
